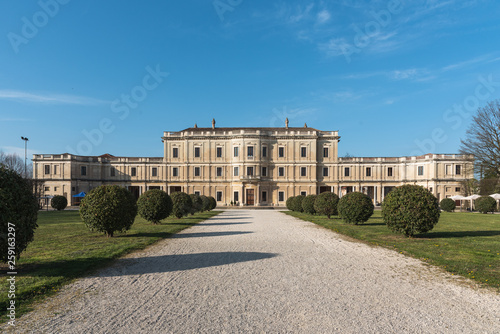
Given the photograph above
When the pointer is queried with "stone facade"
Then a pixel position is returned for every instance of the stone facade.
(252, 166)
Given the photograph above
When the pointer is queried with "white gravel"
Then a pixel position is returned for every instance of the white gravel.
(261, 271)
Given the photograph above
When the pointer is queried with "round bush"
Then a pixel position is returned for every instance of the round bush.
(205, 203)
(410, 209)
(59, 202)
(326, 204)
(297, 203)
(447, 205)
(485, 204)
(355, 208)
(213, 203)
(308, 204)
(197, 203)
(108, 209)
(154, 205)
(18, 207)
(289, 203)
(182, 204)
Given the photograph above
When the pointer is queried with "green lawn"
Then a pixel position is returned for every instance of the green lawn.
(65, 249)
(466, 244)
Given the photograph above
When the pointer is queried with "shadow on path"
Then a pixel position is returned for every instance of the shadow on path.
(461, 234)
(207, 234)
(180, 262)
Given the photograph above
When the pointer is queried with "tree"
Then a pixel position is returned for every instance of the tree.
(13, 162)
(297, 203)
(326, 204)
(410, 209)
(447, 205)
(197, 203)
(206, 203)
(181, 204)
(485, 204)
(308, 204)
(59, 202)
(154, 205)
(355, 208)
(108, 209)
(483, 139)
(18, 213)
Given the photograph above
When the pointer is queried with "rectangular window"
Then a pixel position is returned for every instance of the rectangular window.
(219, 152)
(264, 151)
(236, 151)
(347, 171)
(219, 171)
(197, 171)
(281, 196)
(236, 196)
(55, 188)
(420, 170)
(250, 171)
(47, 169)
(303, 171)
(368, 171)
(264, 196)
(389, 171)
(47, 188)
(458, 169)
(303, 193)
(281, 171)
(196, 152)
(175, 171)
(281, 151)
(133, 171)
(303, 152)
(83, 170)
(55, 169)
(219, 196)
(197, 193)
(448, 169)
(154, 171)
(175, 152)
(325, 171)
(236, 171)
(250, 151)
(325, 152)
(457, 189)
(264, 171)
(112, 171)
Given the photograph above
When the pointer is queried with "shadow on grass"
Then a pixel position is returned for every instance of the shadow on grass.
(461, 234)
(372, 224)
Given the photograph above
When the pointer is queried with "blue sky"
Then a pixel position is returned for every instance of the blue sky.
(396, 78)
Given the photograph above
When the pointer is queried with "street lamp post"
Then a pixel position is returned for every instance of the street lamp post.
(25, 153)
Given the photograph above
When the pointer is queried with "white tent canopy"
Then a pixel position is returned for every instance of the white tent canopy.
(457, 197)
(495, 196)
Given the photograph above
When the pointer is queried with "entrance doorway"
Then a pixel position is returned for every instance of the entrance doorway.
(250, 197)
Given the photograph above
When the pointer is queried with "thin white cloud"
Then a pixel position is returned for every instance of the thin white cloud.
(323, 16)
(405, 74)
(480, 59)
(49, 98)
(336, 47)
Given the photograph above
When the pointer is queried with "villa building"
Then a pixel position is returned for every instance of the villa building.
(252, 166)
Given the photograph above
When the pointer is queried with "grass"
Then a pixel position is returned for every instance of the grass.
(466, 244)
(64, 249)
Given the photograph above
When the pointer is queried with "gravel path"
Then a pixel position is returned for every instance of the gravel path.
(261, 271)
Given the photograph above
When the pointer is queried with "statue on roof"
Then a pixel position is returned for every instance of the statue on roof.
(286, 123)
(213, 123)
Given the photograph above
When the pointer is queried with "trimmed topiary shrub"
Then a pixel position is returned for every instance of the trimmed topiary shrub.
(308, 204)
(59, 202)
(447, 205)
(197, 203)
(108, 209)
(154, 205)
(485, 204)
(289, 203)
(18, 214)
(213, 203)
(182, 204)
(355, 208)
(205, 203)
(326, 204)
(297, 203)
(410, 209)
